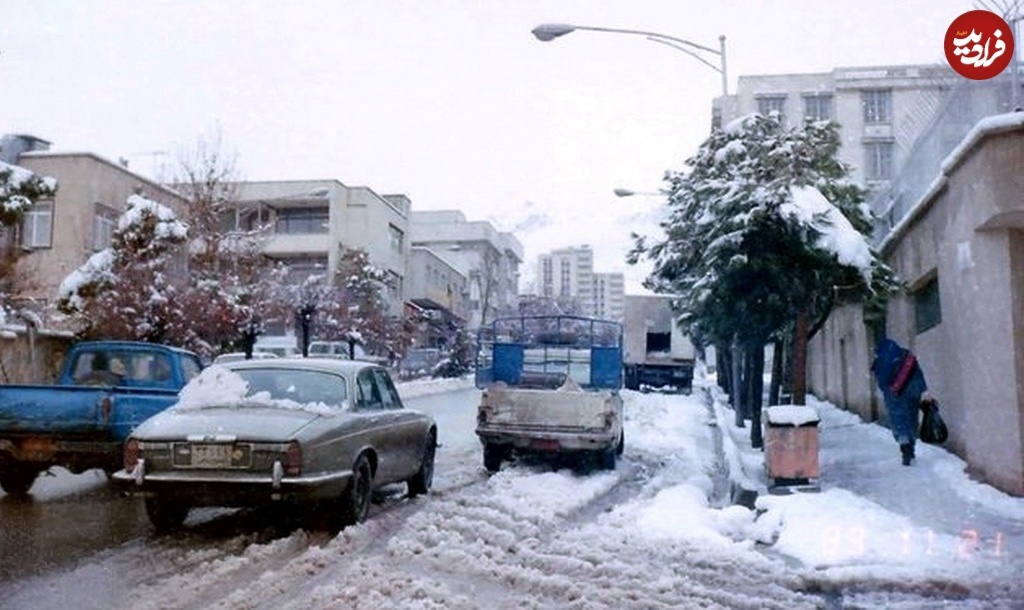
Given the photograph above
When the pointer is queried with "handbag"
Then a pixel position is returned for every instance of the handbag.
(933, 429)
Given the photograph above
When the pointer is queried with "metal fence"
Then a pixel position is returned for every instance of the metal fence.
(964, 104)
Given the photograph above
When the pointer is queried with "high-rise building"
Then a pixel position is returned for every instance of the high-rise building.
(568, 274)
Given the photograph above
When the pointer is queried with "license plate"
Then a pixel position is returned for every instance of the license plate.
(212, 455)
(37, 448)
(544, 444)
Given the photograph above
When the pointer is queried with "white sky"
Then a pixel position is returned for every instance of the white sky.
(453, 103)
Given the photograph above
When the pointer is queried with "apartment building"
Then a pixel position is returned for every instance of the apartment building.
(58, 236)
(881, 110)
(609, 295)
(488, 258)
(312, 220)
(568, 273)
(438, 296)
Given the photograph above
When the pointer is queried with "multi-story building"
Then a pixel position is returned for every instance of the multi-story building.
(881, 110)
(438, 296)
(312, 220)
(488, 258)
(58, 235)
(609, 295)
(568, 273)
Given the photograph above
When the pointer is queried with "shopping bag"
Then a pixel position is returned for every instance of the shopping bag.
(933, 429)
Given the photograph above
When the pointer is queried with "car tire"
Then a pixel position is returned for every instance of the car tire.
(164, 515)
(17, 479)
(494, 455)
(606, 459)
(421, 481)
(355, 502)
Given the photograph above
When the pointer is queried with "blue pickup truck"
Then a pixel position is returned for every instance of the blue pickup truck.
(105, 389)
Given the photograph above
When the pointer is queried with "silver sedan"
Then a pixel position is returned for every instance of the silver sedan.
(318, 433)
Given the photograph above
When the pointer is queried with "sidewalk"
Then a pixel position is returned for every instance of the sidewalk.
(875, 518)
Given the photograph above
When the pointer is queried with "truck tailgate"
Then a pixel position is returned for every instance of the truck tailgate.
(515, 407)
(51, 409)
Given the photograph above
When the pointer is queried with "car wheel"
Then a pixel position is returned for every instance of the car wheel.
(165, 515)
(421, 481)
(17, 479)
(355, 503)
(494, 455)
(606, 459)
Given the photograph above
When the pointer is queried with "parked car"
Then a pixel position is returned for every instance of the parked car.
(104, 390)
(236, 356)
(321, 434)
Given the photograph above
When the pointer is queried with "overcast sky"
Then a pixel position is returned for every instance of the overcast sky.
(453, 103)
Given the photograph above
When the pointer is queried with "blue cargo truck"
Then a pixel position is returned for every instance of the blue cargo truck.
(104, 390)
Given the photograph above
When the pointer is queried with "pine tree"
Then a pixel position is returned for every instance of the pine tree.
(752, 237)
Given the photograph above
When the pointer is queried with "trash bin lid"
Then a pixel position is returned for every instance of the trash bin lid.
(792, 415)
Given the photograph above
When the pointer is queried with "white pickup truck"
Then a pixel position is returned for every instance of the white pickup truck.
(550, 386)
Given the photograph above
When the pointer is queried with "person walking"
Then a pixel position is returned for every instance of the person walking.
(902, 382)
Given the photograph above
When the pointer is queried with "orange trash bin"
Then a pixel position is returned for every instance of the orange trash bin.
(791, 445)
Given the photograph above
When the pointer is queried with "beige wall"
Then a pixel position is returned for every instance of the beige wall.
(83, 180)
(968, 234)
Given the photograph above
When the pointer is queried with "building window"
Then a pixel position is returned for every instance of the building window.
(877, 105)
(103, 224)
(301, 220)
(818, 107)
(397, 237)
(927, 309)
(37, 226)
(878, 162)
(301, 268)
(767, 104)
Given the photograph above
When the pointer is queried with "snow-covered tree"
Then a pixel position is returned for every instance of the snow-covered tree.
(131, 290)
(764, 225)
(20, 189)
(231, 281)
(353, 308)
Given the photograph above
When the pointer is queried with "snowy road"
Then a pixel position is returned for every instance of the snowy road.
(643, 536)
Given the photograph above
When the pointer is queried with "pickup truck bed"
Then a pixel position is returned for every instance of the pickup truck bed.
(84, 426)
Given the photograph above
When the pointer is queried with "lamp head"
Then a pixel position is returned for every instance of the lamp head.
(550, 31)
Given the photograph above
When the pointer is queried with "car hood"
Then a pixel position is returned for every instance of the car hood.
(260, 423)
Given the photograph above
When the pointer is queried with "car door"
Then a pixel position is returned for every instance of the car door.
(406, 429)
(375, 422)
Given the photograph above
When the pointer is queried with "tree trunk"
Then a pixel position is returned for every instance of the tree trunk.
(800, 333)
(776, 382)
(753, 357)
(737, 384)
(723, 366)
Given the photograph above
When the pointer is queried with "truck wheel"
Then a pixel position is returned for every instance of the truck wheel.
(493, 457)
(424, 477)
(17, 479)
(165, 515)
(606, 459)
(355, 502)
(622, 444)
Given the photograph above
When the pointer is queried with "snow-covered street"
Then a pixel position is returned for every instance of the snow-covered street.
(658, 532)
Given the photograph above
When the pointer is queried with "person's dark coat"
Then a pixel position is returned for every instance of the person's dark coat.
(902, 383)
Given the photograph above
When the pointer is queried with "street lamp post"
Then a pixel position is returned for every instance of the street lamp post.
(549, 31)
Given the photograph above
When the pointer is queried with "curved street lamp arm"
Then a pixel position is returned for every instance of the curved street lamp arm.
(651, 35)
